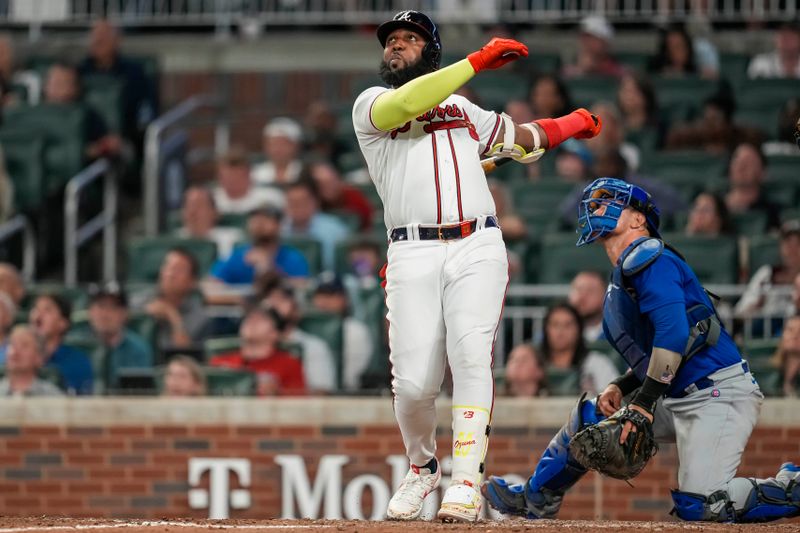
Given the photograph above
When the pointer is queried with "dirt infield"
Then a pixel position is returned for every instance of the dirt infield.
(47, 524)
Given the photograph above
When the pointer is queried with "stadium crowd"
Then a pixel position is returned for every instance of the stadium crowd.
(268, 279)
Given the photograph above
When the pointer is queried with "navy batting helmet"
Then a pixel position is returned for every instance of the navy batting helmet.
(421, 23)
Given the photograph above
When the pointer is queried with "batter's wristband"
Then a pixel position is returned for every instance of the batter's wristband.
(649, 394)
(627, 383)
(560, 129)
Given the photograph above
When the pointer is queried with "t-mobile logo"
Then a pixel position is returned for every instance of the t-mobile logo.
(219, 498)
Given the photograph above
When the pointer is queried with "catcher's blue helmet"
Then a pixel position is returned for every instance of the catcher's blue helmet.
(615, 194)
(419, 22)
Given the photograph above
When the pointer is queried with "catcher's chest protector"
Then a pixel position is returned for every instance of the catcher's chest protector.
(628, 330)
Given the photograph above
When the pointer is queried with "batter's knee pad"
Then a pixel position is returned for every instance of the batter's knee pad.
(557, 470)
(717, 507)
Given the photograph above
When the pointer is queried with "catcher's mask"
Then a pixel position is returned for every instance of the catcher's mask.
(614, 195)
(421, 23)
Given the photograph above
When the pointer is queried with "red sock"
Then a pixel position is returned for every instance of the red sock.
(560, 129)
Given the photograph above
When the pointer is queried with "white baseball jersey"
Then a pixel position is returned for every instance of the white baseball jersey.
(428, 171)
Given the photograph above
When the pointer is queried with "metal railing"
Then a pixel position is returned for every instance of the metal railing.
(21, 224)
(221, 14)
(106, 221)
(151, 183)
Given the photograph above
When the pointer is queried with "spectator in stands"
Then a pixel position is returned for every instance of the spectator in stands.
(758, 298)
(321, 139)
(278, 373)
(638, 107)
(709, 217)
(675, 57)
(200, 221)
(11, 75)
(122, 348)
(336, 196)
(365, 259)
(318, 363)
(50, 319)
(574, 161)
(282, 141)
(25, 358)
(784, 143)
(264, 253)
(563, 347)
(784, 61)
(714, 132)
(587, 293)
(746, 174)
(178, 305)
(787, 357)
(525, 376)
(11, 283)
(184, 378)
(304, 219)
(8, 313)
(139, 96)
(7, 207)
(795, 307)
(513, 226)
(63, 87)
(613, 137)
(520, 111)
(331, 296)
(236, 193)
(594, 55)
(548, 97)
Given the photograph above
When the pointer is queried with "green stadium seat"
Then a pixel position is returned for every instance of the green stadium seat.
(784, 168)
(714, 260)
(759, 352)
(104, 95)
(330, 328)
(544, 194)
(733, 67)
(24, 158)
(561, 260)
(750, 223)
(215, 346)
(633, 60)
(690, 172)
(311, 250)
(235, 220)
(545, 63)
(563, 382)
(683, 93)
(586, 91)
(75, 295)
(792, 213)
(764, 119)
(764, 93)
(227, 382)
(770, 381)
(495, 88)
(352, 160)
(538, 220)
(145, 255)
(762, 250)
(783, 192)
(63, 128)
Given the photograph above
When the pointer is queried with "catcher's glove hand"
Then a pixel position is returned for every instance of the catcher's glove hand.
(597, 447)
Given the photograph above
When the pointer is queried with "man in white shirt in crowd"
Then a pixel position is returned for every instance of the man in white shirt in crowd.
(281, 144)
(784, 61)
(200, 217)
(236, 193)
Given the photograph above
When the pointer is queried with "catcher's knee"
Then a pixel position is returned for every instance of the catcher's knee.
(716, 507)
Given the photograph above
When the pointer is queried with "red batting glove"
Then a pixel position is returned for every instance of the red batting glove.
(579, 124)
(497, 53)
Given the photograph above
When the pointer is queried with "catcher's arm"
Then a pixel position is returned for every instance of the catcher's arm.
(660, 371)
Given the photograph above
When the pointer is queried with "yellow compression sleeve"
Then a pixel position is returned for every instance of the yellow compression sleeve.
(395, 108)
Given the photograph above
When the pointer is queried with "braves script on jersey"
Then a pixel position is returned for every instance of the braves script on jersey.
(428, 170)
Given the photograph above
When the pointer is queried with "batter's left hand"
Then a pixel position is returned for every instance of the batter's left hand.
(629, 426)
(592, 127)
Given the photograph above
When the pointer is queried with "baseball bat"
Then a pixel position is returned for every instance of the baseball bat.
(492, 163)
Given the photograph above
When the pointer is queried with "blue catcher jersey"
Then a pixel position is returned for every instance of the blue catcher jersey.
(652, 311)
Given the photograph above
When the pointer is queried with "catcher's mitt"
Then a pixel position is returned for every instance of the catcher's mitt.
(597, 447)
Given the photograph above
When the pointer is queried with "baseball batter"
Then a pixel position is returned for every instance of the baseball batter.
(447, 268)
(688, 378)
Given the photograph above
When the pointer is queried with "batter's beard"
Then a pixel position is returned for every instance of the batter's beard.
(398, 78)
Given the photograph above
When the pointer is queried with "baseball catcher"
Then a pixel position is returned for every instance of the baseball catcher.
(688, 383)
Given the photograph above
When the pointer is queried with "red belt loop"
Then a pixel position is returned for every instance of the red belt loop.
(466, 230)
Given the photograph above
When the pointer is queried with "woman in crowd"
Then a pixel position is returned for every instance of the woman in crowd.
(563, 347)
(709, 217)
(787, 357)
(184, 378)
(638, 105)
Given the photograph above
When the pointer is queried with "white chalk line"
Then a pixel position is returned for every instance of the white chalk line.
(160, 523)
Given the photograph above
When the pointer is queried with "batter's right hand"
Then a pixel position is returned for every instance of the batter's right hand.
(497, 53)
(610, 400)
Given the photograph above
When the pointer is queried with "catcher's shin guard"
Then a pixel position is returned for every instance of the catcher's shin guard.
(541, 495)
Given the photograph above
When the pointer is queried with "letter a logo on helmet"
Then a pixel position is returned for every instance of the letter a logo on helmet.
(420, 23)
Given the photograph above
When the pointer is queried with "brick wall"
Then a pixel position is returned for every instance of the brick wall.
(134, 468)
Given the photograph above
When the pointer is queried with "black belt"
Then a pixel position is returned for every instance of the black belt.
(445, 232)
(704, 383)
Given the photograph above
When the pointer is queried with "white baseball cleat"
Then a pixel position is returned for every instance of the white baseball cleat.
(406, 504)
(462, 502)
